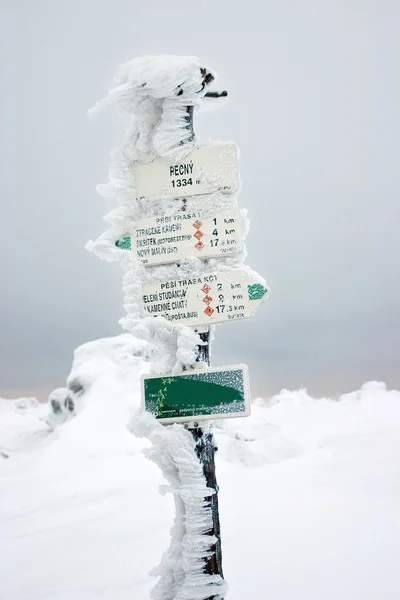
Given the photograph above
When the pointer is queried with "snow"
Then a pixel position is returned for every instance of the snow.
(309, 493)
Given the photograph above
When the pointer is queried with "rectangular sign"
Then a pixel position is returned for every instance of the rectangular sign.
(166, 239)
(207, 298)
(198, 394)
(205, 170)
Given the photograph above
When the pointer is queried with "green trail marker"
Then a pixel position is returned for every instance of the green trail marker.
(256, 291)
(197, 395)
(124, 244)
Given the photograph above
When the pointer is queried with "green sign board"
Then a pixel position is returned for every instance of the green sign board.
(200, 394)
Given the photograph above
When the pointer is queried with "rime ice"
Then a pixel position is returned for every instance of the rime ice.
(157, 128)
(157, 91)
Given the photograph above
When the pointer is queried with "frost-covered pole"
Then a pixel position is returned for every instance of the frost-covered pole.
(179, 234)
(205, 446)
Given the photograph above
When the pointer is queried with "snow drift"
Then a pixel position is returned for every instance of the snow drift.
(309, 493)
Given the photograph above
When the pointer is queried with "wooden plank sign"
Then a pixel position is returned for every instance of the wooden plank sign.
(205, 170)
(166, 239)
(207, 298)
(197, 395)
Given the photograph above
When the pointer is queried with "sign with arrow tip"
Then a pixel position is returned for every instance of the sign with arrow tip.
(207, 298)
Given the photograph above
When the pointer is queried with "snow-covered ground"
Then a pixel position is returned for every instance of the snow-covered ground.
(309, 493)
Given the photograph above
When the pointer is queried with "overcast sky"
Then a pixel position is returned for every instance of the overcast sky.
(314, 107)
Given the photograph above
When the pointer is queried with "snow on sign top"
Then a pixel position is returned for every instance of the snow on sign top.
(204, 170)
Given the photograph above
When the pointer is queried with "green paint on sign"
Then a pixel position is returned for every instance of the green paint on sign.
(204, 394)
(256, 291)
(124, 244)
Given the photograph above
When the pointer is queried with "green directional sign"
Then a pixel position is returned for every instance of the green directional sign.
(124, 244)
(200, 394)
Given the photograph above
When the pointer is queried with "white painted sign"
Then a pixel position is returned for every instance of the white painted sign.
(203, 171)
(166, 239)
(207, 298)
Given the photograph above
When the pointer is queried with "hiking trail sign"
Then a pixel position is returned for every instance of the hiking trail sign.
(205, 170)
(207, 298)
(197, 395)
(166, 239)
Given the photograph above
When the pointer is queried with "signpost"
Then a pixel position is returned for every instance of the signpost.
(205, 170)
(168, 238)
(198, 301)
(159, 92)
(198, 395)
(207, 298)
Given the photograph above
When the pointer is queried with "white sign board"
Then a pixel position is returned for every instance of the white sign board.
(204, 171)
(166, 239)
(207, 298)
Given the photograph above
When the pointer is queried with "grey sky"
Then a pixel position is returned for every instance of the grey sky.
(314, 107)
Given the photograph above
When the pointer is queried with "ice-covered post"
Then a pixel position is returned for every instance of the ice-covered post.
(178, 232)
(205, 446)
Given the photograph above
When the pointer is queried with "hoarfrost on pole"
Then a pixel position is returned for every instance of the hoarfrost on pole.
(181, 570)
